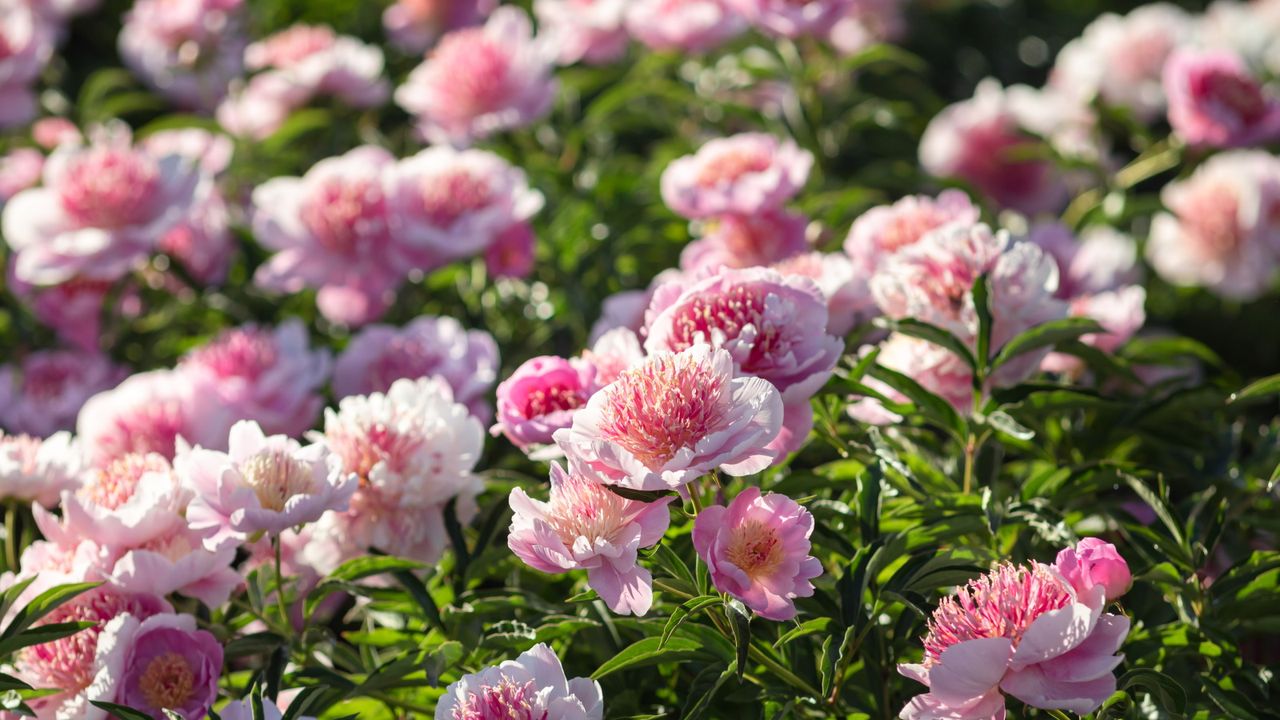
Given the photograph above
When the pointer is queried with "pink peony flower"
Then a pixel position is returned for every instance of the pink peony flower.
(72, 309)
(19, 169)
(589, 31)
(745, 174)
(584, 526)
(243, 710)
(695, 26)
(124, 503)
(414, 25)
(886, 229)
(450, 204)
(318, 61)
(26, 45)
(1020, 630)
(168, 665)
(331, 230)
(541, 397)
(262, 484)
(1093, 562)
(480, 81)
(674, 418)
(739, 241)
(202, 242)
(1216, 102)
(866, 23)
(612, 354)
(257, 108)
(849, 300)
(50, 132)
(791, 18)
(102, 210)
(429, 346)
(1222, 228)
(413, 449)
(511, 254)
(38, 470)
(935, 368)
(44, 392)
(533, 685)
(187, 50)
(1248, 28)
(147, 413)
(268, 376)
(757, 550)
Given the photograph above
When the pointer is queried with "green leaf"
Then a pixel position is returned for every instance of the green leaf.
(1047, 335)
(668, 560)
(930, 333)
(982, 305)
(650, 651)
(740, 623)
(42, 634)
(686, 610)
(1003, 422)
(422, 596)
(699, 702)
(1258, 390)
(1166, 692)
(363, 567)
(927, 403)
(808, 627)
(120, 711)
(43, 604)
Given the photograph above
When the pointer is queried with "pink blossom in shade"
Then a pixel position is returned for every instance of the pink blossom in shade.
(935, 368)
(791, 18)
(318, 61)
(1021, 631)
(429, 346)
(1215, 101)
(35, 469)
(72, 309)
(267, 375)
(26, 45)
(739, 241)
(168, 665)
(43, 393)
(773, 326)
(584, 526)
(745, 174)
(674, 418)
(511, 254)
(867, 22)
(50, 132)
(415, 25)
(588, 31)
(480, 81)
(757, 550)
(187, 50)
(1094, 562)
(1222, 228)
(262, 484)
(449, 204)
(695, 26)
(886, 229)
(849, 300)
(203, 242)
(257, 108)
(19, 169)
(531, 686)
(1121, 59)
(102, 209)
(612, 354)
(541, 397)
(331, 230)
(626, 309)
(85, 666)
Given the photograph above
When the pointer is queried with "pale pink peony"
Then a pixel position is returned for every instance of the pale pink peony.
(541, 397)
(1215, 101)
(866, 23)
(746, 174)
(32, 469)
(739, 241)
(849, 300)
(480, 81)
(886, 229)
(72, 309)
(935, 368)
(429, 346)
(101, 211)
(791, 18)
(695, 26)
(511, 254)
(1093, 562)
(1247, 28)
(588, 31)
(168, 665)
(331, 230)
(584, 526)
(43, 393)
(449, 204)
(415, 25)
(531, 686)
(674, 418)
(757, 550)
(1121, 59)
(1022, 631)
(125, 503)
(257, 108)
(147, 413)
(269, 376)
(202, 242)
(26, 45)
(187, 50)
(318, 61)
(50, 132)
(612, 354)
(262, 484)
(19, 169)
(1222, 228)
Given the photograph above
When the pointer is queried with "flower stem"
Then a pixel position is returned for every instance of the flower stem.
(970, 453)
(11, 535)
(1059, 714)
(281, 600)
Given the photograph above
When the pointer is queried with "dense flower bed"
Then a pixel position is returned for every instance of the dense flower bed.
(574, 359)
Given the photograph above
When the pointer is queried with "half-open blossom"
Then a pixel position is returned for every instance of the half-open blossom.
(844, 285)
(261, 484)
(1094, 562)
(757, 550)
(589, 31)
(414, 25)
(450, 204)
(147, 413)
(695, 26)
(613, 353)
(168, 665)
(331, 230)
(674, 418)
(791, 18)
(480, 81)
(265, 375)
(188, 50)
(102, 209)
(35, 469)
(428, 346)
(739, 241)
(744, 174)
(44, 391)
(26, 44)
(1022, 631)
(20, 169)
(1222, 228)
(541, 397)
(531, 686)
(1215, 101)
(584, 526)
(886, 229)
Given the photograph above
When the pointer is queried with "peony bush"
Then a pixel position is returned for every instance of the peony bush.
(586, 359)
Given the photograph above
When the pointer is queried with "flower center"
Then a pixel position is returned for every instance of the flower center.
(245, 353)
(348, 217)
(456, 193)
(1240, 94)
(477, 69)
(113, 486)
(580, 507)
(555, 398)
(734, 314)
(755, 549)
(112, 188)
(275, 477)
(362, 448)
(168, 681)
(504, 701)
(728, 166)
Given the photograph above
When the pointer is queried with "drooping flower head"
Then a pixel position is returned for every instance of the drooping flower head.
(791, 18)
(44, 392)
(744, 174)
(541, 397)
(148, 413)
(741, 241)
(530, 687)
(168, 665)
(414, 25)
(36, 470)
(1215, 101)
(589, 31)
(757, 550)
(886, 229)
(695, 26)
(1094, 562)
(188, 50)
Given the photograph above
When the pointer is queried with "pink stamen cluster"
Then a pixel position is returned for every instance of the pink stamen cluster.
(739, 310)
(362, 448)
(733, 164)
(110, 187)
(507, 700)
(242, 352)
(113, 485)
(348, 216)
(447, 197)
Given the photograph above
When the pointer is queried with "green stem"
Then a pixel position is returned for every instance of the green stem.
(11, 535)
(1162, 156)
(1059, 714)
(763, 658)
(695, 495)
(970, 453)
(281, 600)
